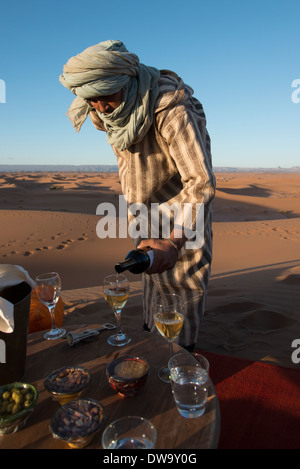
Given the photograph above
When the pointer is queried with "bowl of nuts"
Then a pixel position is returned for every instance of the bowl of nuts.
(77, 422)
(67, 383)
(17, 401)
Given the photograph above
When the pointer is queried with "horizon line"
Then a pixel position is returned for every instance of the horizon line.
(114, 168)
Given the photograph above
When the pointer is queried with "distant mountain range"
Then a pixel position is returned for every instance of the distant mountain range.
(6, 168)
(279, 169)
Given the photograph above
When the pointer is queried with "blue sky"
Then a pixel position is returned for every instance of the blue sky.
(239, 56)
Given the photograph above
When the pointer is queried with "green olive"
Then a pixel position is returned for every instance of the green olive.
(17, 396)
(6, 395)
(16, 408)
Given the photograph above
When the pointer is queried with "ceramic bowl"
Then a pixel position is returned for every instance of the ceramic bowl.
(17, 401)
(67, 383)
(127, 375)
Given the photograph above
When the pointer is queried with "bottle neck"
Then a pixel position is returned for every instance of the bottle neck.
(125, 265)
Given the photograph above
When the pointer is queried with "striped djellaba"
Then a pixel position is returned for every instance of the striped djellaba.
(172, 164)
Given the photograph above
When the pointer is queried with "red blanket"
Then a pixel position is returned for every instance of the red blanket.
(259, 403)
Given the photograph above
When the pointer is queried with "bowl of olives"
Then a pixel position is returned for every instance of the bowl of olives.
(17, 401)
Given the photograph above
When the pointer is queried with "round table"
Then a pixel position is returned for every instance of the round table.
(155, 402)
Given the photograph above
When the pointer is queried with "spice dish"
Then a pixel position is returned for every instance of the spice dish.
(127, 375)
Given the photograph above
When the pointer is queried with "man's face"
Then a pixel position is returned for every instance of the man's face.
(107, 104)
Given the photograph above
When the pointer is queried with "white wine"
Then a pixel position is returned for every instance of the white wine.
(169, 324)
(116, 290)
(116, 297)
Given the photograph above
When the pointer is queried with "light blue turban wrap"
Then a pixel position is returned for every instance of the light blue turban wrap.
(102, 70)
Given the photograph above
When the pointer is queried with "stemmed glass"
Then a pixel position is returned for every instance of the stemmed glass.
(129, 433)
(116, 292)
(168, 319)
(48, 288)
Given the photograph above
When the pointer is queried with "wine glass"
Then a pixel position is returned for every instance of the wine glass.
(48, 288)
(130, 432)
(168, 319)
(116, 293)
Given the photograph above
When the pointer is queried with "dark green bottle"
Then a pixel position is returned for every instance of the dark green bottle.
(136, 261)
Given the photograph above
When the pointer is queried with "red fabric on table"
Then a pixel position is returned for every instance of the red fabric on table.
(259, 403)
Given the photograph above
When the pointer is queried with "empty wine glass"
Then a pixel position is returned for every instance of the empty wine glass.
(116, 292)
(129, 433)
(48, 288)
(168, 319)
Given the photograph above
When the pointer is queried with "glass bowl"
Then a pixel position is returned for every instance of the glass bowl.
(127, 375)
(17, 401)
(77, 422)
(67, 383)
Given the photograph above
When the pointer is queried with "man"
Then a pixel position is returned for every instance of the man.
(157, 130)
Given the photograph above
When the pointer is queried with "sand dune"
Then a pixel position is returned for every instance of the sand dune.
(48, 222)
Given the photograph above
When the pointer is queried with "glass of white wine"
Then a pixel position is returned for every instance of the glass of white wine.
(48, 288)
(116, 292)
(168, 319)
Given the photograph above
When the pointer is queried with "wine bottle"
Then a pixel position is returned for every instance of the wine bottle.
(136, 261)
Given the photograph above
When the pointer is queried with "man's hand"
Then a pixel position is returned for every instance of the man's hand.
(165, 255)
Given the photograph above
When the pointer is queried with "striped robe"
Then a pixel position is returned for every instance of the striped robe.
(173, 164)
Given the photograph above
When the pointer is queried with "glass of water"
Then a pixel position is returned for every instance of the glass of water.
(190, 382)
(129, 433)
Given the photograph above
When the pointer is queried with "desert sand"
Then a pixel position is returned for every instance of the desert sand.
(48, 222)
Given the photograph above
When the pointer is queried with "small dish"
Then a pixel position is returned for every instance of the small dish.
(67, 383)
(17, 401)
(77, 422)
(127, 375)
